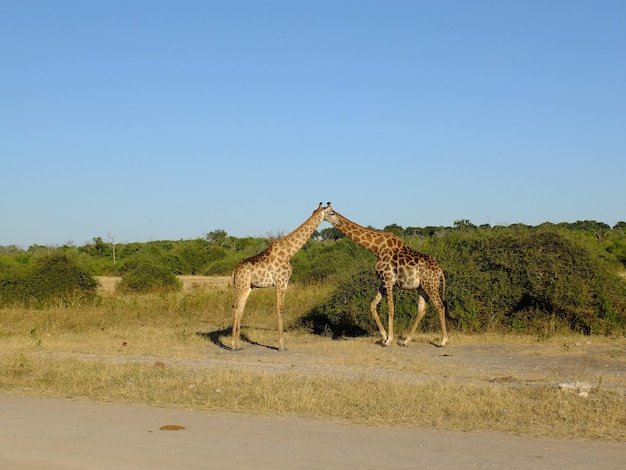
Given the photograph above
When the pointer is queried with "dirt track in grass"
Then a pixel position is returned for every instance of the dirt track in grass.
(471, 361)
(69, 434)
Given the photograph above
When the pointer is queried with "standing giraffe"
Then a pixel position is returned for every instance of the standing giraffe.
(398, 264)
(270, 268)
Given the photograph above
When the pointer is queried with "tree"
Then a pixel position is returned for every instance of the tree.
(54, 277)
(620, 226)
(216, 237)
(330, 233)
(464, 224)
(144, 274)
(395, 229)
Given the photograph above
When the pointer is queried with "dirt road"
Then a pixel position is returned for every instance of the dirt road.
(64, 434)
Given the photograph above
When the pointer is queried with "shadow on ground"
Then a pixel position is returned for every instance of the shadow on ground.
(214, 337)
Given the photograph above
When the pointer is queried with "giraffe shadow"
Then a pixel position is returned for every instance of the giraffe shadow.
(246, 339)
(215, 338)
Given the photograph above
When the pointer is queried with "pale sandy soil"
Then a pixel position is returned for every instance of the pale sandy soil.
(63, 434)
(107, 283)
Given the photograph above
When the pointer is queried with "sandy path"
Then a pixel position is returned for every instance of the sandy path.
(65, 434)
(107, 283)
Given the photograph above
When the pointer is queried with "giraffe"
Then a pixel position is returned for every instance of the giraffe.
(397, 265)
(270, 268)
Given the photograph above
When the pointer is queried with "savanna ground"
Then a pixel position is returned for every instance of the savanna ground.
(171, 351)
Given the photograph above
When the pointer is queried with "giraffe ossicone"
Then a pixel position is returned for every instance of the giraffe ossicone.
(398, 265)
(270, 268)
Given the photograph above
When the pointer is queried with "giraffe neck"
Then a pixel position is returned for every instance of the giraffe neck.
(371, 240)
(290, 244)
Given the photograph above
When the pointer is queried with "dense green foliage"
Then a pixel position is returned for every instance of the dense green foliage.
(330, 260)
(51, 278)
(515, 278)
(142, 274)
(518, 278)
(524, 278)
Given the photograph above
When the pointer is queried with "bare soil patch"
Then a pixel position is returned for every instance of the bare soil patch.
(194, 282)
(108, 283)
(62, 434)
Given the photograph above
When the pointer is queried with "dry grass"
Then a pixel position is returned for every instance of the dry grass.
(163, 350)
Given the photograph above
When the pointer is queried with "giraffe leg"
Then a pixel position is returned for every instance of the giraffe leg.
(421, 311)
(435, 298)
(373, 307)
(238, 307)
(280, 306)
(242, 289)
(441, 310)
(390, 314)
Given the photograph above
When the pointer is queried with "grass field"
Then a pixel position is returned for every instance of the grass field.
(169, 350)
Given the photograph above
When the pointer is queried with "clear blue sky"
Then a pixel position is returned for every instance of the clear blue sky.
(153, 120)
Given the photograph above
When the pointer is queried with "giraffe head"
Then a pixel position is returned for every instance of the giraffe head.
(336, 219)
(317, 216)
(330, 215)
(310, 224)
(320, 212)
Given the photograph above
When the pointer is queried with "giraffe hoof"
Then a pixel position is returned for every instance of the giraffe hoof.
(388, 342)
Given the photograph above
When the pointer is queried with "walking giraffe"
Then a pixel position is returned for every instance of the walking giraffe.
(270, 268)
(398, 264)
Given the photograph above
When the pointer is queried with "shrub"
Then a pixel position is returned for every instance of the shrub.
(515, 279)
(338, 260)
(54, 277)
(13, 286)
(347, 311)
(530, 279)
(143, 274)
(193, 256)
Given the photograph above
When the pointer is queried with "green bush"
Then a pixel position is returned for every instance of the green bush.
(143, 274)
(13, 286)
(193, 256)
(512, 279)
(329, 260)
(347, 311)
(530, 279)
(221, 268)
(55, 277)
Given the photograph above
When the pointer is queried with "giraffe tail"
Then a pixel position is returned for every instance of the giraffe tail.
(445, 302)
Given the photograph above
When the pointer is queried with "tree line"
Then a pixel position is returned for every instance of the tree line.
(516, 277)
